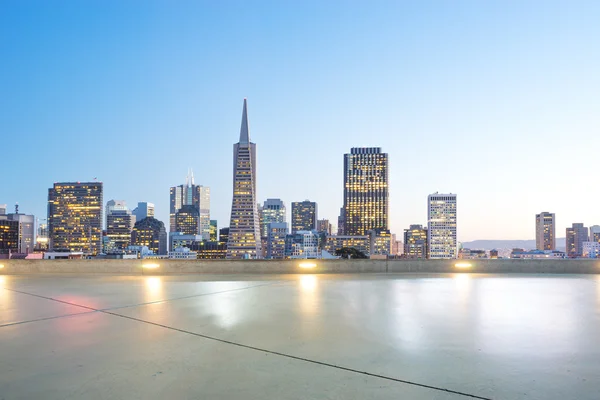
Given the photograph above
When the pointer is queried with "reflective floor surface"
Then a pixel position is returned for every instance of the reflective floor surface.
(357, 336)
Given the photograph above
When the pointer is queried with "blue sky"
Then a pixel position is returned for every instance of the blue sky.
(496, 101)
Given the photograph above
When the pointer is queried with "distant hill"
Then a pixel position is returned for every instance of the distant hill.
(508, 244)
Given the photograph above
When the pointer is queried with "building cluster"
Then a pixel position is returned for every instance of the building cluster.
(79, 225)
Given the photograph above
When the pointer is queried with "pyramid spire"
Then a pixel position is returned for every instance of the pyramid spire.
(244, 131)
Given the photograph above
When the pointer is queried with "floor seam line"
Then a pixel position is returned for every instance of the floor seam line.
(322, 363)
(48, 318)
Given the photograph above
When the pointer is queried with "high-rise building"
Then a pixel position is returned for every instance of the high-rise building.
(441, 234)
(272, 210)
(277, 232)
(366, 196)
(75, 217)
(575, 236)
(187, 220)
(304, 216)
(151, 233)
(2, 209)
(244, 228)
(545, 231)
(415, 242)
(192, 195)
(119, 223)
(595, 233)
(143, 210)
(213, 230)
(323, 225)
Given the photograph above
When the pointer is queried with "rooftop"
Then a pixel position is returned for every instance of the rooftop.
(300, 336)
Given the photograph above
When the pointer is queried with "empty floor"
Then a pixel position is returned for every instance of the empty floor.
(453, 336)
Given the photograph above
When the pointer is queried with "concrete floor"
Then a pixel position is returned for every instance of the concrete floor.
(358, 336)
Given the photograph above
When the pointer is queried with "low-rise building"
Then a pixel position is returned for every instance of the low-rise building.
(337, 242)
(183, 253)
(591, 249)
(538, 254)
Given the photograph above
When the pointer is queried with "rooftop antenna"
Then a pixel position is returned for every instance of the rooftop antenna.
(16, 208)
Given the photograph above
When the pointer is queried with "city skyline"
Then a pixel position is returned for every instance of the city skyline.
(489, 104)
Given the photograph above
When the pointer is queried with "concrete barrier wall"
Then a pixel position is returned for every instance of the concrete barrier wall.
(160, 267)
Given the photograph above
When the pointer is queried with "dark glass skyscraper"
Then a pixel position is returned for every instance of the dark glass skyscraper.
(244, 230)
(366, 194)
(75, 217)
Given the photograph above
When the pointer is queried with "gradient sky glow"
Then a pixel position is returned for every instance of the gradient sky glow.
(496, 101)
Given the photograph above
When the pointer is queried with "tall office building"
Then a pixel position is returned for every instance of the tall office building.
(545, 229)
(224, 235)
(187, 220)
(2, 209)
(143, 210)
(119, 223)
(441, 234)
(575, 236)
(415, 242)
(191, 194)
(272, 210)
(151, 233)
(244, 228)
(366, 197)
(323, 225)
(75, 217)
(304, 216)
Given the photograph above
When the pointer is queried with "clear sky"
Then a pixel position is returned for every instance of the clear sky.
(496, 101)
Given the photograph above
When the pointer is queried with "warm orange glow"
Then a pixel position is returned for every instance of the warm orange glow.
(308, 283)
(1, 266)
(462, 265)
(307, 265)
(150, 266)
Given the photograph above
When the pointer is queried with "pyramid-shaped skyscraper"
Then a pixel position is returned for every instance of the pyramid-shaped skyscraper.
(244, 230)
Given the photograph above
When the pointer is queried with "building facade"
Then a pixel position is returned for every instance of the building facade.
(143, 210)
(9, 236)
(277, 232)
(324, 226)
(187, 221)
(576, 235)
(545, 231)
(442, 223)
(119, 224)
(194, 195)
(304, 216)
(150, 233)
(415, 242)
(214, 232)
(272, 210)
(360, 243)
(366, 196)
(591, 249)
(244, 227)
(595, 233)
(380, 242)
(302, 244)
(75, 217)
